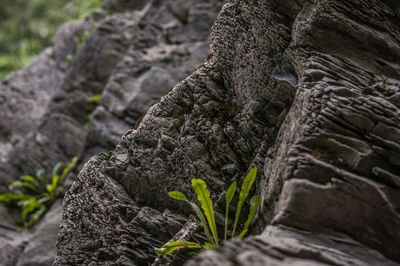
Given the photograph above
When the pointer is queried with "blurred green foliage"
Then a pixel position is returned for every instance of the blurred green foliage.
(35, 194)
(27, 26)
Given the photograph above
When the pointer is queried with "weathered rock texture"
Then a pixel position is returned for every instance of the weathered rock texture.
(26, 123)
(136, 52)
(170, 40)
(33, 247)
(307, 91)
(29, 136)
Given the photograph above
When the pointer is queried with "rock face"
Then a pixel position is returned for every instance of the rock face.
(29, 248)
(170, 40)
(307, 91)
(39, 249)
(131, 54)
(27, 124)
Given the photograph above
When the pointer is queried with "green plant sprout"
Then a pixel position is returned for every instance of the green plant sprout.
(92, 99)
(95, 98)
(69, 59)
(88, 119)
(207, 220)
(81, 40)
(36, 194)
(86, 7)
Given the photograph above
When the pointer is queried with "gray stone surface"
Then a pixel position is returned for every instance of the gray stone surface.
(24, 97)
(123, 5)
(11, 237)
(35, 247)
(60, 135)
(333, 169)
(280, 245)
(126, 236)
(151, 67)
(134, 54)
(304, 90)
(24, 100)
(41, 244)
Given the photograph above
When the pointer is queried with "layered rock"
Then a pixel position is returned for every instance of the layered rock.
(25, 97)
(170, 41)
(132, 53)
(334, 168)
(307, 91)
(33, 247)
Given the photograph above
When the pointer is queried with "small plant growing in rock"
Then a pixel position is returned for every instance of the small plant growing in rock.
(36, 194)
(95, 98)
(92, 99)
(80, 40)
(207, 220)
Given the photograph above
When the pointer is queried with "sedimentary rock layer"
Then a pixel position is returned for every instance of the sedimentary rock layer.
(307, 91)
(128, 54)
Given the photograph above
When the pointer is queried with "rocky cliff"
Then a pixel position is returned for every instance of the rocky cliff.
(131, 54)
(306, 91)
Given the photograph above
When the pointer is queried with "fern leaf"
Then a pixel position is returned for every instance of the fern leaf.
(177, 195)
(229, 196)
(244, 192)
(29, 206)
(208, 246)
(24, 185)
(203, 195)
(67, 169)
(254, 203)
(34, 217)
(95, 98)
(203, 221)
(51, 188)
(33, 181)
(172, 246)
(56, 169)
(9, 197)
(40, 175)
(242, 234)
(180, 196)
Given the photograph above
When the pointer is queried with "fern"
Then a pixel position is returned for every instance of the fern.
(172, 246)
(203, 196)
(180, 196)
(95, 98)
(35, 194)
(244, 192)
(254, 204)
(228, 196)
